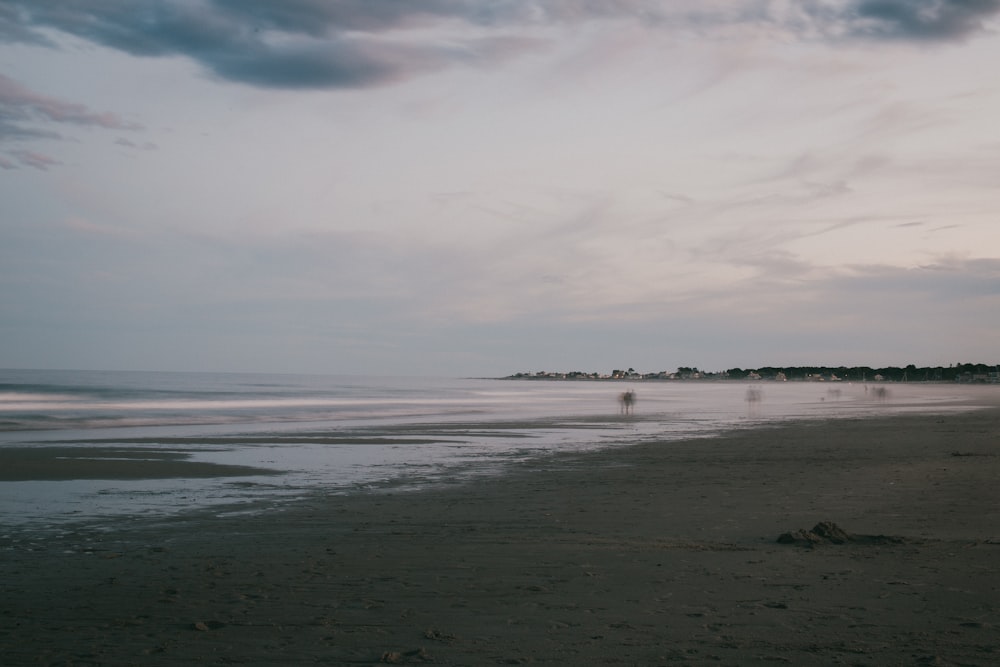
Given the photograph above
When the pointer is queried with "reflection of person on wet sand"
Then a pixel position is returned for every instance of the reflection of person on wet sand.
(627, 400)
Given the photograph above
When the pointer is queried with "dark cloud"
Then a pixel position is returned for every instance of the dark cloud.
(291, 44)
(360, 43)
(15, 27)
(318, 17)
(926, 20)
(350, 61)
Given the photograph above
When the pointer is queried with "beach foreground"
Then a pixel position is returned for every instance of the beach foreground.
(653, 554)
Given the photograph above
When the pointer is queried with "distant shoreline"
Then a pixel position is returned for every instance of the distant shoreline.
(707, 379)
(962, 373)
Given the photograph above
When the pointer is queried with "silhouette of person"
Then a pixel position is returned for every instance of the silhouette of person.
(628, 401)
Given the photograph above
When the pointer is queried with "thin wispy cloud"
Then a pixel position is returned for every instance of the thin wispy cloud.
(26, 116)
(128, 143)
(19, 104)
(34, 159)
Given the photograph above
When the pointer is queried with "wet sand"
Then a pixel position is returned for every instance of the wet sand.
(652, 554)
(43, 463)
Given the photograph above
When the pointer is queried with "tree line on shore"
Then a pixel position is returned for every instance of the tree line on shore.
(909, 373)
(962, 372)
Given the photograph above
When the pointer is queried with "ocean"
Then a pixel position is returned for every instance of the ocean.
(307, 434)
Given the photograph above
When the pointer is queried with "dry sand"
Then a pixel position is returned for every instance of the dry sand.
(653, 554)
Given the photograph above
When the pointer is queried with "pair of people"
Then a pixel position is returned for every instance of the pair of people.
(627, 399)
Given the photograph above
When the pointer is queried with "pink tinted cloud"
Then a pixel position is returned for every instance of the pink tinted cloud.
(84, 226)
(19, 103)
(24, 115)
(35, 159)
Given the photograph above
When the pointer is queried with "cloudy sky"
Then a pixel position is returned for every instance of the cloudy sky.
(478, 187)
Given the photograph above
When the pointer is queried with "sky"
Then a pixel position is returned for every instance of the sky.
(483, 187)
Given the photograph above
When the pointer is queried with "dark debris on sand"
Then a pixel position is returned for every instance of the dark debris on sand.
(827, 532)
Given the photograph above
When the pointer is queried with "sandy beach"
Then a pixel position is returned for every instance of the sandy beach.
(695, 552)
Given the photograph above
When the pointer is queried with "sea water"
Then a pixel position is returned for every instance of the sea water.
(345, 434)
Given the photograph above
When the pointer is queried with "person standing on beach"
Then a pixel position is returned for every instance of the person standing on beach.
(627, 400)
